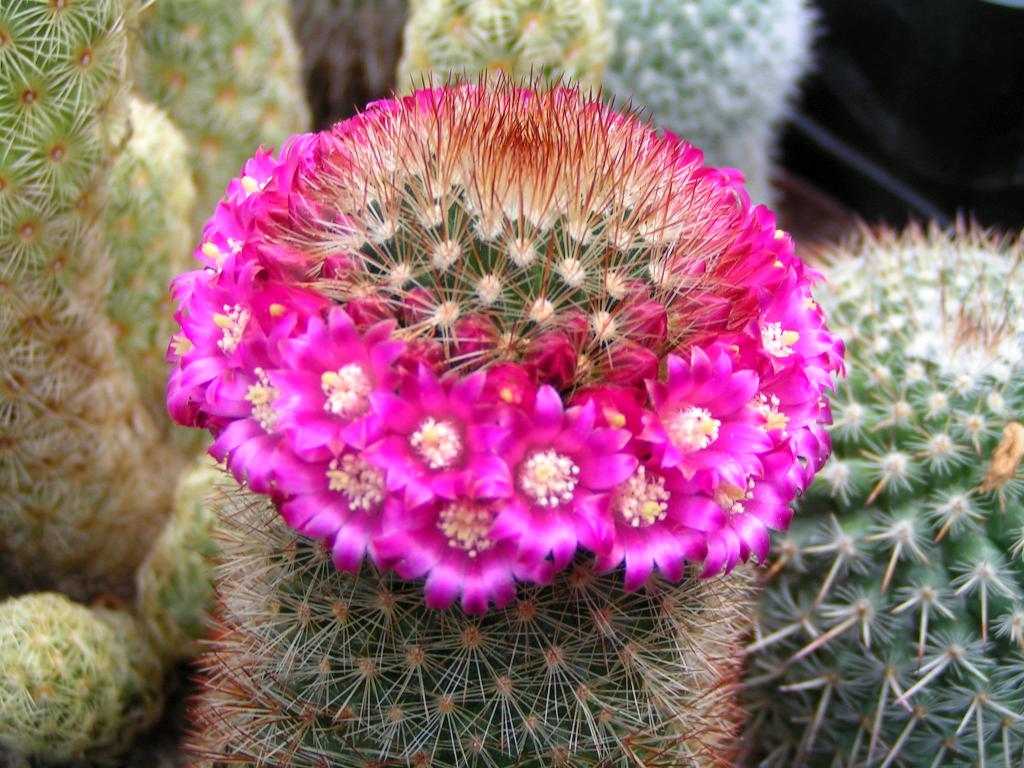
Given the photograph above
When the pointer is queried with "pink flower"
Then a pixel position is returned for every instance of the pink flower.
(326, 390)
(703, 422)
(435, 439)
(561, 467)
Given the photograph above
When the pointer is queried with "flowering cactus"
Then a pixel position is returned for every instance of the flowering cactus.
(462, 334)
(484, 336)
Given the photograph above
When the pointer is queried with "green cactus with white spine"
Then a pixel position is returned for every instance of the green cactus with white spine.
(149, 227)
(84, 473)
(311, 666)
(74, 679)
(894, 623)
(539, 39)
(719, 73)
(350, 49)
(229, 74)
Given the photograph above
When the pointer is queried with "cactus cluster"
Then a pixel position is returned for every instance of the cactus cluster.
(720, 73)
(310, 666)
(350, 50)
(523, 39)
(892, 629)
(228, 73)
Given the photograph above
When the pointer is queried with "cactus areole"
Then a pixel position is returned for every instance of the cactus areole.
(472, 331)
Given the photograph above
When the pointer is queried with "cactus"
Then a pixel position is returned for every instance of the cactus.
(84, 475)
(311, 667)
(720, 73)
(229, 74)
(173, 585)
(148, 223)
(505, 348)
(894, 623)
(74, 679)
(350, 49)
(535, 39)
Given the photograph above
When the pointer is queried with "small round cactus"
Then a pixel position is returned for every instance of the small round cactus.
(311, 667)
(892, 630)
(228, 73)
(350, 49)
(148, 222)
(173, 586)
(74, 680)
(720, 73)
(535, 39)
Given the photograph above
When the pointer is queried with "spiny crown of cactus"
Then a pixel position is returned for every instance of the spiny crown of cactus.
(74, 679)
(350, 49)
(229, 74)
(474, 330)
(541, 39)
(720, 72)
(76, 445)
(894, 624)
(313, 667)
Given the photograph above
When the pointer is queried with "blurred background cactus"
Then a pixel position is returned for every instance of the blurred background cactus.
(229, 74)
(350, 49)
(720, 73)
(540, 39)
(310, 666)
(893, 628)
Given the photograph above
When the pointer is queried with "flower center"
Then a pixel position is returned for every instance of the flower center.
(360, 482)
(232, 324)
(641, 500)
(768, 406)
(731, 497)
(262, 397)
(549, 478)
(348, 391)
(777, 342)
(692, 429)
(467, 526)
(438, 442)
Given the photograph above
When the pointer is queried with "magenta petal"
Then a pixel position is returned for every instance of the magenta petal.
(474, 596)
(604, 472)
(347, 551)
(547, 410)
(442, 587)
(638, 568)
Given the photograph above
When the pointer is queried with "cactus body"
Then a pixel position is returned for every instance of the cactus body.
(149, 227)
(313, 667)
(720, 73)
(229, 75)
(78, 452)
(74, 680)
(173, 585)
(349, 49)
(894, 626)
(534, 39)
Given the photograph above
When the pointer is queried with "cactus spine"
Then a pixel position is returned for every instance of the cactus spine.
(536, 39)
(83, 474)
(229, 74)
(894, 624)
(720, 73)
(311, 666)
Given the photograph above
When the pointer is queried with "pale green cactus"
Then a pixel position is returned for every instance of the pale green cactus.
(537, 39)
(311, 666)
(892, 631)
(75, 680)
(84, 473)
(148, 223)
(719, 73)
(229, 74)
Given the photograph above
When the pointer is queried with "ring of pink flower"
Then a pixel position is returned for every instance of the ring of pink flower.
(474, 481)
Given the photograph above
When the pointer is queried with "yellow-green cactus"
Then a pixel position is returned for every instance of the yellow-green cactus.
(74, 680)
(535, 39)
(229, 74)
